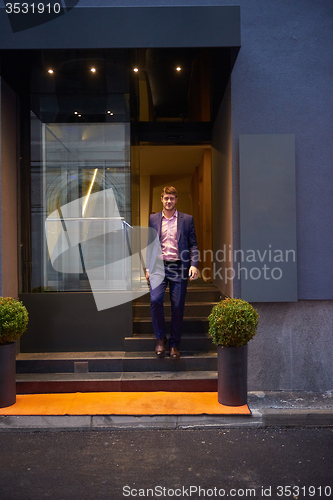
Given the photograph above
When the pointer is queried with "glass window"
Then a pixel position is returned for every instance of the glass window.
(80, 185)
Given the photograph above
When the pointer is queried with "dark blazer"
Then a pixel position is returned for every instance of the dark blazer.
(186, 239)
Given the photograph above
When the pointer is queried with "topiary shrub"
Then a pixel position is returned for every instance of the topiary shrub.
(232, 322)
(13, 319)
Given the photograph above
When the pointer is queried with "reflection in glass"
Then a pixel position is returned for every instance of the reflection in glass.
(71, 162)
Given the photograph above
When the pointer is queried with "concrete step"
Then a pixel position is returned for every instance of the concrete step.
(189, 381)
(198, 294)
(189, 343)
(120, 361)
(194, 326)
(68, 362)
(148, 361)
(192, 309)
(137, 368)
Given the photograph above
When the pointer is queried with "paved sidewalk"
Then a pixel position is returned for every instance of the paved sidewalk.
(268, 408)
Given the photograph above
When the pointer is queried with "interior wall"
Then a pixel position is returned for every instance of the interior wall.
(201, 198)
(135, 186)
(144, 200)
(181, 183)
(8, 172)
(222, 197)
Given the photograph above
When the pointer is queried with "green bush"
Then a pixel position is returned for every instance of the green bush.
(13, 319)
(232, 322)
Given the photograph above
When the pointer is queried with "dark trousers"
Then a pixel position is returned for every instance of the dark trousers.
(176, 277)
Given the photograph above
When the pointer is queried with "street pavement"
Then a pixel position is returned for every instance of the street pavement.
(207, 463)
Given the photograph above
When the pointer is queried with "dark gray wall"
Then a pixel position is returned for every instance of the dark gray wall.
(70, 322)
(293, 347)
(121, 28)
(282, 83)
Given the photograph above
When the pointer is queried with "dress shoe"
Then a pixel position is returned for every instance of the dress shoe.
(160, 347)
(174, 353)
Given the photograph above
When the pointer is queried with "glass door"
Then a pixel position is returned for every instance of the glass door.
(81, 206)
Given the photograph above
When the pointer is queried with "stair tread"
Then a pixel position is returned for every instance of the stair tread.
(121, 355)
(168, 318)
(70, 356)
(187, 336)
(194, 303)
(164, 375)
(133, 368)
(184, 354)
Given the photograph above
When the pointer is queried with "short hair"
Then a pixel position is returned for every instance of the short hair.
(169, 190)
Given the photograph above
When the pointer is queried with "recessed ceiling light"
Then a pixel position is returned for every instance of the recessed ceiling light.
(136, 70)
(50, 71)
(76, 113)
(110, 113)
(93, 70)
(178, 68)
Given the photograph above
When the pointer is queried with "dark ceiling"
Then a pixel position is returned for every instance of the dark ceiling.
(73, 86)
(169, 87)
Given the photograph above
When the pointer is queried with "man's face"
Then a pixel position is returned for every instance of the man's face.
(169, 201)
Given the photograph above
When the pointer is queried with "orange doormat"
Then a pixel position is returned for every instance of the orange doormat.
(122, 403)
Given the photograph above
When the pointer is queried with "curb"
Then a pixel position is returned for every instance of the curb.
(258, 419)
(297, 418)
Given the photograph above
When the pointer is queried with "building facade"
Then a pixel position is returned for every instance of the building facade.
(93, 108)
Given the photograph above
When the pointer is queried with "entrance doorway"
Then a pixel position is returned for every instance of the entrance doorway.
(188, 168)
(179, 92)
(132, 120)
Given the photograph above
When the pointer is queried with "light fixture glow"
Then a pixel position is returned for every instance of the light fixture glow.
(76, 113)
(89, 192)
(178, 68)
(110, 113)
(50, 71)
(93, 70)
(136, 70)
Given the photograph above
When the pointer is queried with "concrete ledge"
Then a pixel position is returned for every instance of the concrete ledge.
(109, 422)
(221, 421)
(297, 418)
(42, 423)
(259, 418)
(112, 422)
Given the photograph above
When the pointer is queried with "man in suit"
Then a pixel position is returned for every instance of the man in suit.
(178, 261)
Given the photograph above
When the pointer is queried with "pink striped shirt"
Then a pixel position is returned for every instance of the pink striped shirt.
(169, 243)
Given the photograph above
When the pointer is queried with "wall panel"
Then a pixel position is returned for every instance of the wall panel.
(266, 262)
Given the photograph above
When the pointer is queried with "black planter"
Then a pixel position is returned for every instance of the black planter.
(7, 374)
(232, 375)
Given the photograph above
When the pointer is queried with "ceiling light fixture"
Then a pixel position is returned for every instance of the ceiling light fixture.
(178, 68)
(50, 71)
(110, 113)
(136, 70)
(93, 70)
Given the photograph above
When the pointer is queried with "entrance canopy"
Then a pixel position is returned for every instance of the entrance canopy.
(119, 27)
